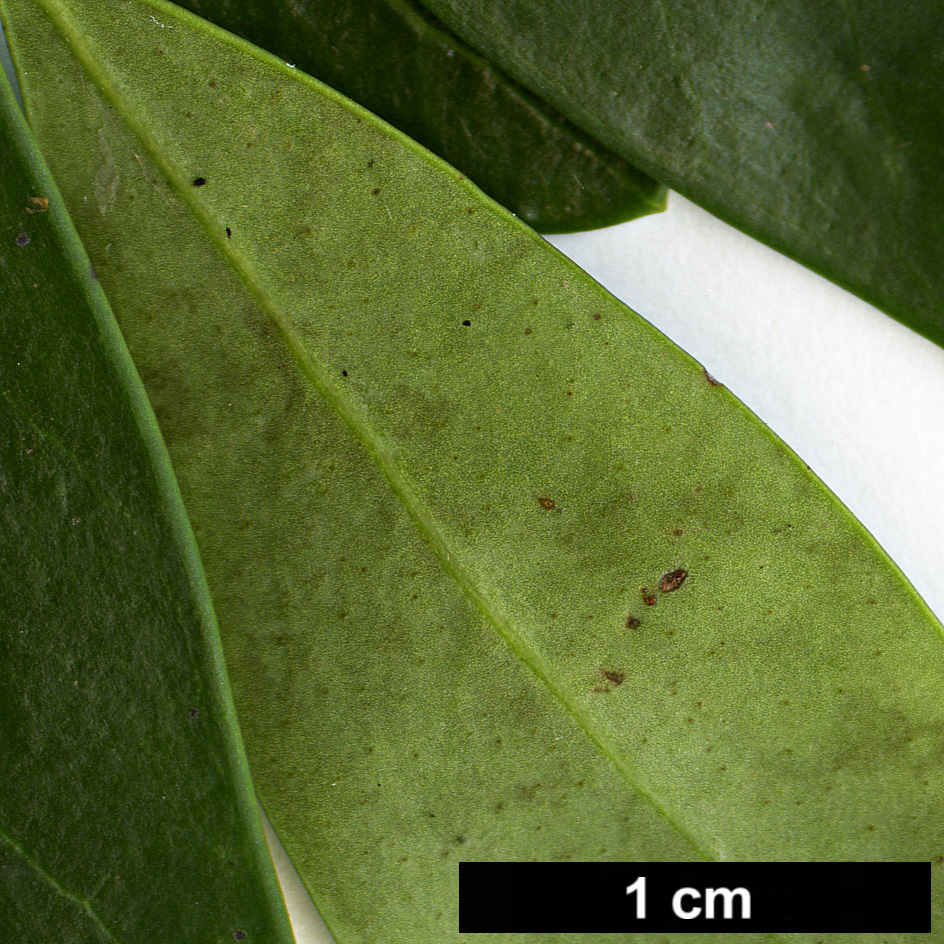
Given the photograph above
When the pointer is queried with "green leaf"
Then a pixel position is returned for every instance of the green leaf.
(395, 59)
(814, 127)
(126, 812)
(431, 468)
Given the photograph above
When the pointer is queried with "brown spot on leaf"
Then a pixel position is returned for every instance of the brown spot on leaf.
(40, 203)
(648, 597)
(633, 622)
(194, 714)
(711, 380)
(22, 239)
(673, 580)
(547, 504)
(615, 676)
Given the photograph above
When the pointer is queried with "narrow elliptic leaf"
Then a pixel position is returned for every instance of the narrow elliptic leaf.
(816, 127)
(501, 573)
(126, 811)
(395, 59)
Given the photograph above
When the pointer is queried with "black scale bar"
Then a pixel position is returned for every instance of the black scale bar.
(767, 897)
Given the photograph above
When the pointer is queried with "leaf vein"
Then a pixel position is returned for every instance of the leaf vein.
(50, 880)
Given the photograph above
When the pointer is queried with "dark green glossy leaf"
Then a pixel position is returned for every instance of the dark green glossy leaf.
(126, 812)
(815, 127)
(395, 59)
(431, 467)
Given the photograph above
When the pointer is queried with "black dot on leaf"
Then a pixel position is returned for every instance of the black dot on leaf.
(199, 181)
(229, 233)
(194, 713)
(468, 324)
(239, 935)
(22, 239)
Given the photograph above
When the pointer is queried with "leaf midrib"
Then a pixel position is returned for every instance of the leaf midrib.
(422, 19)
(319, 376)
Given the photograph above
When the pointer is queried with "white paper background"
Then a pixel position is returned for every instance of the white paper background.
(857, 395)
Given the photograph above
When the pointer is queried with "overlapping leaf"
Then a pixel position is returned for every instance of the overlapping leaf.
(815, 127)
(126, 812)
(439, 479)
(395, 59)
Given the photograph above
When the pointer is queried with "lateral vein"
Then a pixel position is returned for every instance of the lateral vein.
(51, 881)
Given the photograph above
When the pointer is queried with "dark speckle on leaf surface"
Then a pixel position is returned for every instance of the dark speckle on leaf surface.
(22, 239)
(633, 622)
(672, 581)
(648, 597)
(614, 676)
(199, 181)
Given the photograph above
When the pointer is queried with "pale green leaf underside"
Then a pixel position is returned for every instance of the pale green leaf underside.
(417, 644)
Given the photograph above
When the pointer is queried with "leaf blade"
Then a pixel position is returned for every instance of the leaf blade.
(110, 639)
(464, 393)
